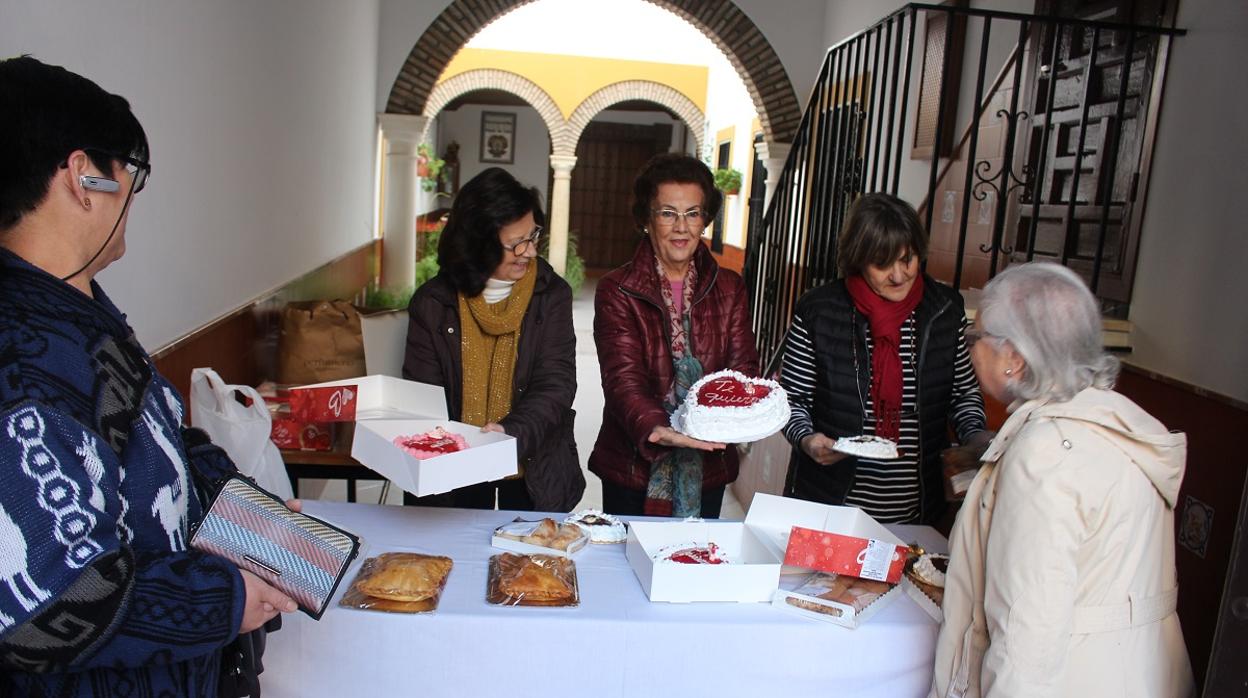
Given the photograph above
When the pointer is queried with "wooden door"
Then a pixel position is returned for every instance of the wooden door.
(1086, 91)
(608, 158)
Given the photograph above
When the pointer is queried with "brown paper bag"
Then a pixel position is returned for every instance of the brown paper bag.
(320, 341)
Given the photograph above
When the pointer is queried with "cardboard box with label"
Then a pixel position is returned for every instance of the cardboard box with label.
(834, 540)
(384, 408)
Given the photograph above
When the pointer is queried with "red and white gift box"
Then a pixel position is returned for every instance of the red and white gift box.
(868, 558)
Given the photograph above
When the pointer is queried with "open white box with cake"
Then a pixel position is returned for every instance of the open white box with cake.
(384, 407)
(750, 575)
(755, 549)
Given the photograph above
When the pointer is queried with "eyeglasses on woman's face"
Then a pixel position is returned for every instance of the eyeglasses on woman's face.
(667, 217)
(974, 335)
(520, 247)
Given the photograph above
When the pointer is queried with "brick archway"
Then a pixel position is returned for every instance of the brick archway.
(519, 86)
(723, 23)
(630, 90)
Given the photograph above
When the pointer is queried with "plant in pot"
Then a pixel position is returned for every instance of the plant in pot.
(728, 181)
(428, 167)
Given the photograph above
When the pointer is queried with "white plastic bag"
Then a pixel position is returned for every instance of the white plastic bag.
(242, 431)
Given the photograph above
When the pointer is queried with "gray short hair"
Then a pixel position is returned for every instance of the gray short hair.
(1051, 318)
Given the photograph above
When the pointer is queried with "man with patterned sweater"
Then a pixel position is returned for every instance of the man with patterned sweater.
(99, 593)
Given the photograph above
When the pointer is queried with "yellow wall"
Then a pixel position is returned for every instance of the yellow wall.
(570, 79)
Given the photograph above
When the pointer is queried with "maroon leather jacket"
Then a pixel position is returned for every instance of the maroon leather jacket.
(631, 333)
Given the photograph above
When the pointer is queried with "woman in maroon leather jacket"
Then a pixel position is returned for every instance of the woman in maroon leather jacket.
(662, 321)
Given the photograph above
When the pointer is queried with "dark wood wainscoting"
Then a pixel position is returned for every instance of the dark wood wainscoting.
(1216, 467)
(242, 345)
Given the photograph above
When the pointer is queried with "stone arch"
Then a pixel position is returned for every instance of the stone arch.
(630, 90)
(723, 23)
(489, 79)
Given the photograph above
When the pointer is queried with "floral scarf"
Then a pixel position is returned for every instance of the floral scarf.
(675, 487)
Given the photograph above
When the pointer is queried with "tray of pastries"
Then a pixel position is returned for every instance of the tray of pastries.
(532, 580)
(399, 583)
(545, 536)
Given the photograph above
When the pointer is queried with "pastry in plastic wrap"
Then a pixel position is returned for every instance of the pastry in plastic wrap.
(546, 534)
(399, 582)
(855, 592)
(532, 580)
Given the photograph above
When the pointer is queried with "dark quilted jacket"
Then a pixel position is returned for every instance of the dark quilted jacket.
(543, 387)
(843, 379)
(631, 333)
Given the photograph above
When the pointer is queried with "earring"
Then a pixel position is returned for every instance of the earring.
(645, 231)
(1009, 371)
(86, 202)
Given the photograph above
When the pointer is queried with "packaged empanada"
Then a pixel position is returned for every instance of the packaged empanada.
(532, 580)
(545, 537)
(399, 583)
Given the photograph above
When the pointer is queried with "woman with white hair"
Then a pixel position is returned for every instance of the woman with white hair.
(1061, 579)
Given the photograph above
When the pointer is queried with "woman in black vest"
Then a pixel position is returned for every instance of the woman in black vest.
(879, 352)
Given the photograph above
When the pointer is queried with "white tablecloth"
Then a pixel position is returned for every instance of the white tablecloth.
(615, 643)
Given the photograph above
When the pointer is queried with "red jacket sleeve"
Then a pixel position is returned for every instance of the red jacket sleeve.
(626, 379)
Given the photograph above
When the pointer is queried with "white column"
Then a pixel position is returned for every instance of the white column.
(560, 202)
(402, 134)
(773, 156)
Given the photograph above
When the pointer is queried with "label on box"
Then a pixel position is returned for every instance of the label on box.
(332, 404)
(849, 555)
(876, 559)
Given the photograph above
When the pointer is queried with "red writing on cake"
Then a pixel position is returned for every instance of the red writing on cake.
(730, 392)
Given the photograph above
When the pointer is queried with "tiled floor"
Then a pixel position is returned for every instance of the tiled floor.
(588, 405)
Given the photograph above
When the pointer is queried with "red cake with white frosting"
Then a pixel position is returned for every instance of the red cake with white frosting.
(431, 444)
(731, 407)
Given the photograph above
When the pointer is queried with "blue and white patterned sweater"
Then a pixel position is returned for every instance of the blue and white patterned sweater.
(99, 595)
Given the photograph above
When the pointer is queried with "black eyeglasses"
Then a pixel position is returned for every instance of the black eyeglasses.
(519, 248)
(139, 170)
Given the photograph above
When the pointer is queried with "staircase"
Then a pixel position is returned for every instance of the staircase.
(1049, 160)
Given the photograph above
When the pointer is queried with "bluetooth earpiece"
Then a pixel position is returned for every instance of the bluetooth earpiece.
(94, 183)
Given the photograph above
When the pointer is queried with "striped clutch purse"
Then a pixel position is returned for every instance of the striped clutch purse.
(302, 556)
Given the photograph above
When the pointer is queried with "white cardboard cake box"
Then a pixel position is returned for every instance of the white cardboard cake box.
(924, 601)
(388, 407)
(752, 576)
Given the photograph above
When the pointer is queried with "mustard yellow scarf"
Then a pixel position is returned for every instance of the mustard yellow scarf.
(490, 338)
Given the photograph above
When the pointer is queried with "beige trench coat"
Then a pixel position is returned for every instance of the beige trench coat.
(1061, 578)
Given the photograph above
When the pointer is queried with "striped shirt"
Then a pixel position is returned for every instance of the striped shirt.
(888, 490)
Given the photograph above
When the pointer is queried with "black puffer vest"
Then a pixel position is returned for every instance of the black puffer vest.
(843, 385)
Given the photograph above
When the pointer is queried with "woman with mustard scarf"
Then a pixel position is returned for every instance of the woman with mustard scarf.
(494, 329)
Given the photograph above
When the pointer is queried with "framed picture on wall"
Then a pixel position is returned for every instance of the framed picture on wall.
(498, 137)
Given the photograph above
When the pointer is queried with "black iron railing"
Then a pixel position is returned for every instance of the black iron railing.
(1046, 192)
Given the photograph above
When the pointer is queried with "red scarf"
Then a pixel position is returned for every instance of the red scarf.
(886, 318)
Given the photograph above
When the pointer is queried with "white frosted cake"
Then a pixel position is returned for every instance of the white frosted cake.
(867, 447)
(602, 528)
(730, 407)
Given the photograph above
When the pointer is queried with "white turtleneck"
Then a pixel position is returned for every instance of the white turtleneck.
(496, 290)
